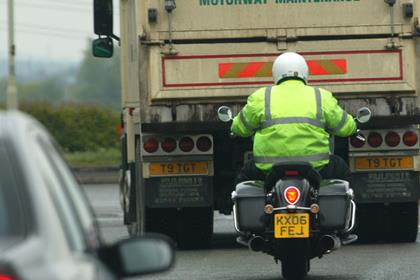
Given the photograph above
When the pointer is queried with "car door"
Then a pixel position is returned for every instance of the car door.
(83, 213)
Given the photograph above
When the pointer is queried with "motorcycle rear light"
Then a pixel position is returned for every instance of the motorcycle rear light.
(375, 139)
(186, 144)
(204, 143)
(168, 144)
(6, 277)
(292, 194)
(392, 139)
(356, 142)
(151, 145)
(269, 209)
(410, 138)
(291, 173)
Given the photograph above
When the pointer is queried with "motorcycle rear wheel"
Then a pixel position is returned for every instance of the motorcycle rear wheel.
(295, 264)
(295, 268)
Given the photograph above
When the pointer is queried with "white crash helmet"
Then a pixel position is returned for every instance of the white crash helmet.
(290, 65)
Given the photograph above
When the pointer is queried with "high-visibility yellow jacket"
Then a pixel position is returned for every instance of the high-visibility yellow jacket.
(292, 122)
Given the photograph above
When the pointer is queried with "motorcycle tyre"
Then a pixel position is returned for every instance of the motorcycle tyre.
(296, 265)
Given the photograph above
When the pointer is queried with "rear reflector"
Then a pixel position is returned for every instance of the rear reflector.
(204, 143)
(291, 173)
(292, 194)
(410, 138)
(186, 144)
(375, 139)
(168, 144)
(392, 139)
(356, 142)
(150, 145)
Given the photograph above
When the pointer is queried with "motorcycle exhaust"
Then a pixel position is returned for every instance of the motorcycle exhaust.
(329, 243)
(256, 243)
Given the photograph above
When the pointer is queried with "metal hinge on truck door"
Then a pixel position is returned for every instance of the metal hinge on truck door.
(282, 37)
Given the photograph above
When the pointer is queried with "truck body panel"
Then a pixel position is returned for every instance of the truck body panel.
(179, 65)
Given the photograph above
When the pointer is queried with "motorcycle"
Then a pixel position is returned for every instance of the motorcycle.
(294, 215)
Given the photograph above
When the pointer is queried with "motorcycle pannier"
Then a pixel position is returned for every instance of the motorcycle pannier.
(249, 202)
(334, 205)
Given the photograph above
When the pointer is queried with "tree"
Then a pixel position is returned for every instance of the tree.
(98, 81)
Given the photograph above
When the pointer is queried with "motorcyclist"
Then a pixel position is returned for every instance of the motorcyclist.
(292, 122)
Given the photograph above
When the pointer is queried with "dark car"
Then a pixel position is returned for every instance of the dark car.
(47, 228)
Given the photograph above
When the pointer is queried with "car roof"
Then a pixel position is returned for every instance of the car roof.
(15, 125)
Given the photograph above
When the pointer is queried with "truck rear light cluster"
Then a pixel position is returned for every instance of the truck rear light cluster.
(375, 139)
(390, 139)
(150, 145)
(356, 142)
(184, 144)
(410, 138)
(204, 143)
(168, 144)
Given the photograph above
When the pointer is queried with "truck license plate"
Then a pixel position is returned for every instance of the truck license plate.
(292, 225)
(393, 162)
(178, 168)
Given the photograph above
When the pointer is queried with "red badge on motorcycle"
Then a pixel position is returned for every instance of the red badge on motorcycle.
(292, 194)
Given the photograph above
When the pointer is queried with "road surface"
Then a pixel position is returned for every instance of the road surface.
(227, 260)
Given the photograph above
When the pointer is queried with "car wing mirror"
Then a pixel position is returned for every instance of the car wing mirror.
(138, 256)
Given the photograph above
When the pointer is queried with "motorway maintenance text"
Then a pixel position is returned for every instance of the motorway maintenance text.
(262, 2)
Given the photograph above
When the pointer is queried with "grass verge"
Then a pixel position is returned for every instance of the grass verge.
(103, 157)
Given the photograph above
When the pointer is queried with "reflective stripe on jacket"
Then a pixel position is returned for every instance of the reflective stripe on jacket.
(290, 122)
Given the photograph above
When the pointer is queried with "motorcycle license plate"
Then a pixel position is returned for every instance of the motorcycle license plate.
(291, 225)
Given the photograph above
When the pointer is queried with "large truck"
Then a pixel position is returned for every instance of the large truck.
(181, 60)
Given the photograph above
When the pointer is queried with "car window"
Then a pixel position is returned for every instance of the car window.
(12, 222)
(74, 191)
(68, 217)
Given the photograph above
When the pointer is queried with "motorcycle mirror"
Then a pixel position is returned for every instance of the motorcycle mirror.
(224, 113)
(363, 115)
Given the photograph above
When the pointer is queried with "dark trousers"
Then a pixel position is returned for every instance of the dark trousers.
(337, 168)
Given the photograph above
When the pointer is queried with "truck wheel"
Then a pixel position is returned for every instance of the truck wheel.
(130, 202)
(162, 220)
(195, 228)
(403, 222)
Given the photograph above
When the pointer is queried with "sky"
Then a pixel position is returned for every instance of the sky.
(50, 30)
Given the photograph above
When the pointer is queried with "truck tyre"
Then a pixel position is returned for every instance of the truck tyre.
(195, 228)
(402, 222)
(190, 228)
(132, 177)
(130, 217)
(162, 220)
